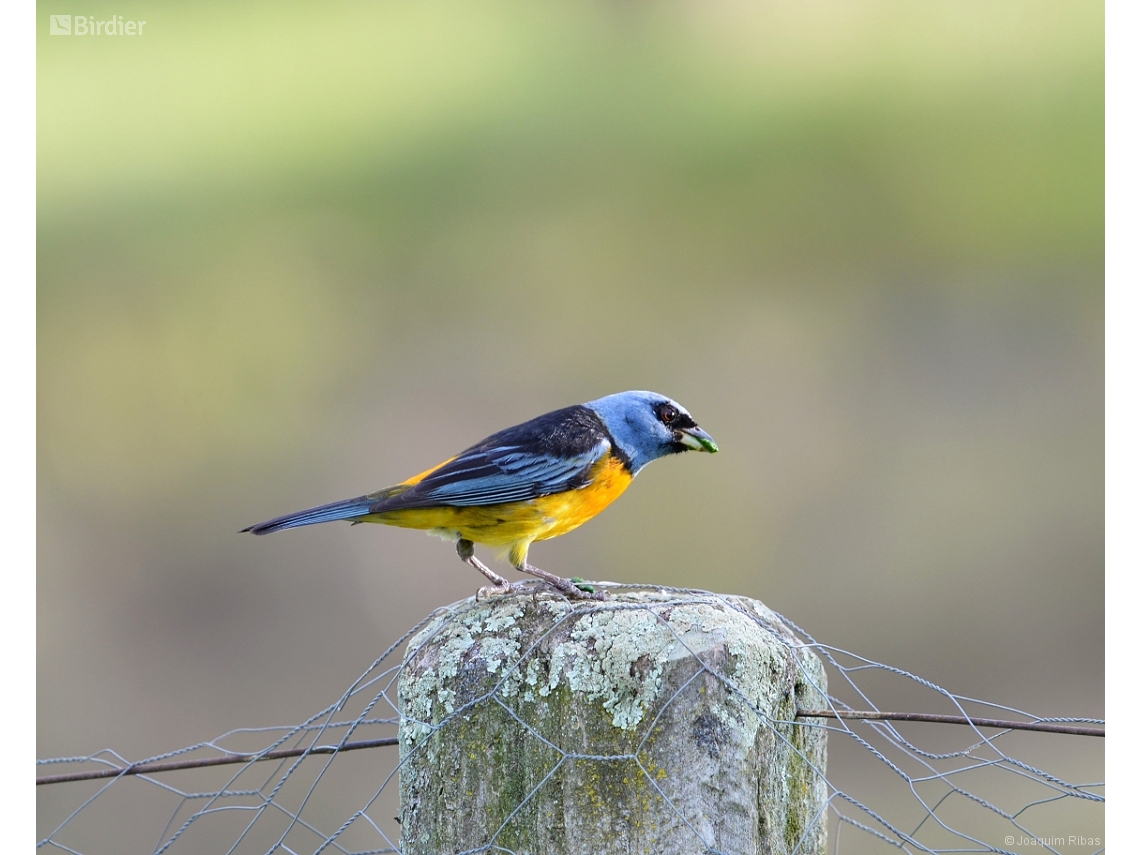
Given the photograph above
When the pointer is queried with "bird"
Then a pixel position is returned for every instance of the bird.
(534, 481)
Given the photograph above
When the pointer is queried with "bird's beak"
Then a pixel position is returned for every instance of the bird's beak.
(696, 439)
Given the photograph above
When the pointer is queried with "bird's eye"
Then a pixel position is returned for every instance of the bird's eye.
(668, 414)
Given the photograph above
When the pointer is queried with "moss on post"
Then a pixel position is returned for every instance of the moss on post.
(657, 722)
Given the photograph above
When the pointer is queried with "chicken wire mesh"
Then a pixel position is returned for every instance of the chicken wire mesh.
(330, 783)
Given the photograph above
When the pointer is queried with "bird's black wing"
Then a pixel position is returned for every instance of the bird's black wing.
(550, 454)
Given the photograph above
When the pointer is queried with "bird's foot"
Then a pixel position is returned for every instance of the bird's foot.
(466, 550)
(564, 586)
(488, 591)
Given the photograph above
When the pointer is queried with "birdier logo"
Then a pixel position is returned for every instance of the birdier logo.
(81, 25)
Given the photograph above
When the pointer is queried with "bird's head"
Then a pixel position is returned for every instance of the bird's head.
(646, 426)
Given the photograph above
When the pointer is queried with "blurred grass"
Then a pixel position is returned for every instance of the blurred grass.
(661, 148)
(973, 128)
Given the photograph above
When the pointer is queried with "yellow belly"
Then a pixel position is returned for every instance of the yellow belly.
(518, 524)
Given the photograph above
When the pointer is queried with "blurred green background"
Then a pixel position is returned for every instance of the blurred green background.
(291, 253)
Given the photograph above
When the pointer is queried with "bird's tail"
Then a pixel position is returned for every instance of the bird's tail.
(344, 510)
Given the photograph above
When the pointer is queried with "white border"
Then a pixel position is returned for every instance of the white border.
(1122, 410)
(17, 418)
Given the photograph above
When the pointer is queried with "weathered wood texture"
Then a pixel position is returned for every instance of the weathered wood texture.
(657, 722)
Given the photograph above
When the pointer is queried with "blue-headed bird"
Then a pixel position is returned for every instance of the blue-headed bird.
(533, 481)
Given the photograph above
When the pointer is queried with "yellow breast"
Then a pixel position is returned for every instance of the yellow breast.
(567, 511)
(518, 522)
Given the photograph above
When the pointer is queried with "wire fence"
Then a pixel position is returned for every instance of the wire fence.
(963, 777)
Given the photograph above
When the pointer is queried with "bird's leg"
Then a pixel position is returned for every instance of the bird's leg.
(559, 584)
(466, 550)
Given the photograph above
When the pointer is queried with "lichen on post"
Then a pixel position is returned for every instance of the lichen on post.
(657, 722)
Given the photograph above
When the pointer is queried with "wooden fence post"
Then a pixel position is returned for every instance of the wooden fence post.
(658, 722)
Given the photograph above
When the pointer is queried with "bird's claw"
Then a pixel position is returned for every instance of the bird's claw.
(575, 591)
(488, 591)
(582, 594)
